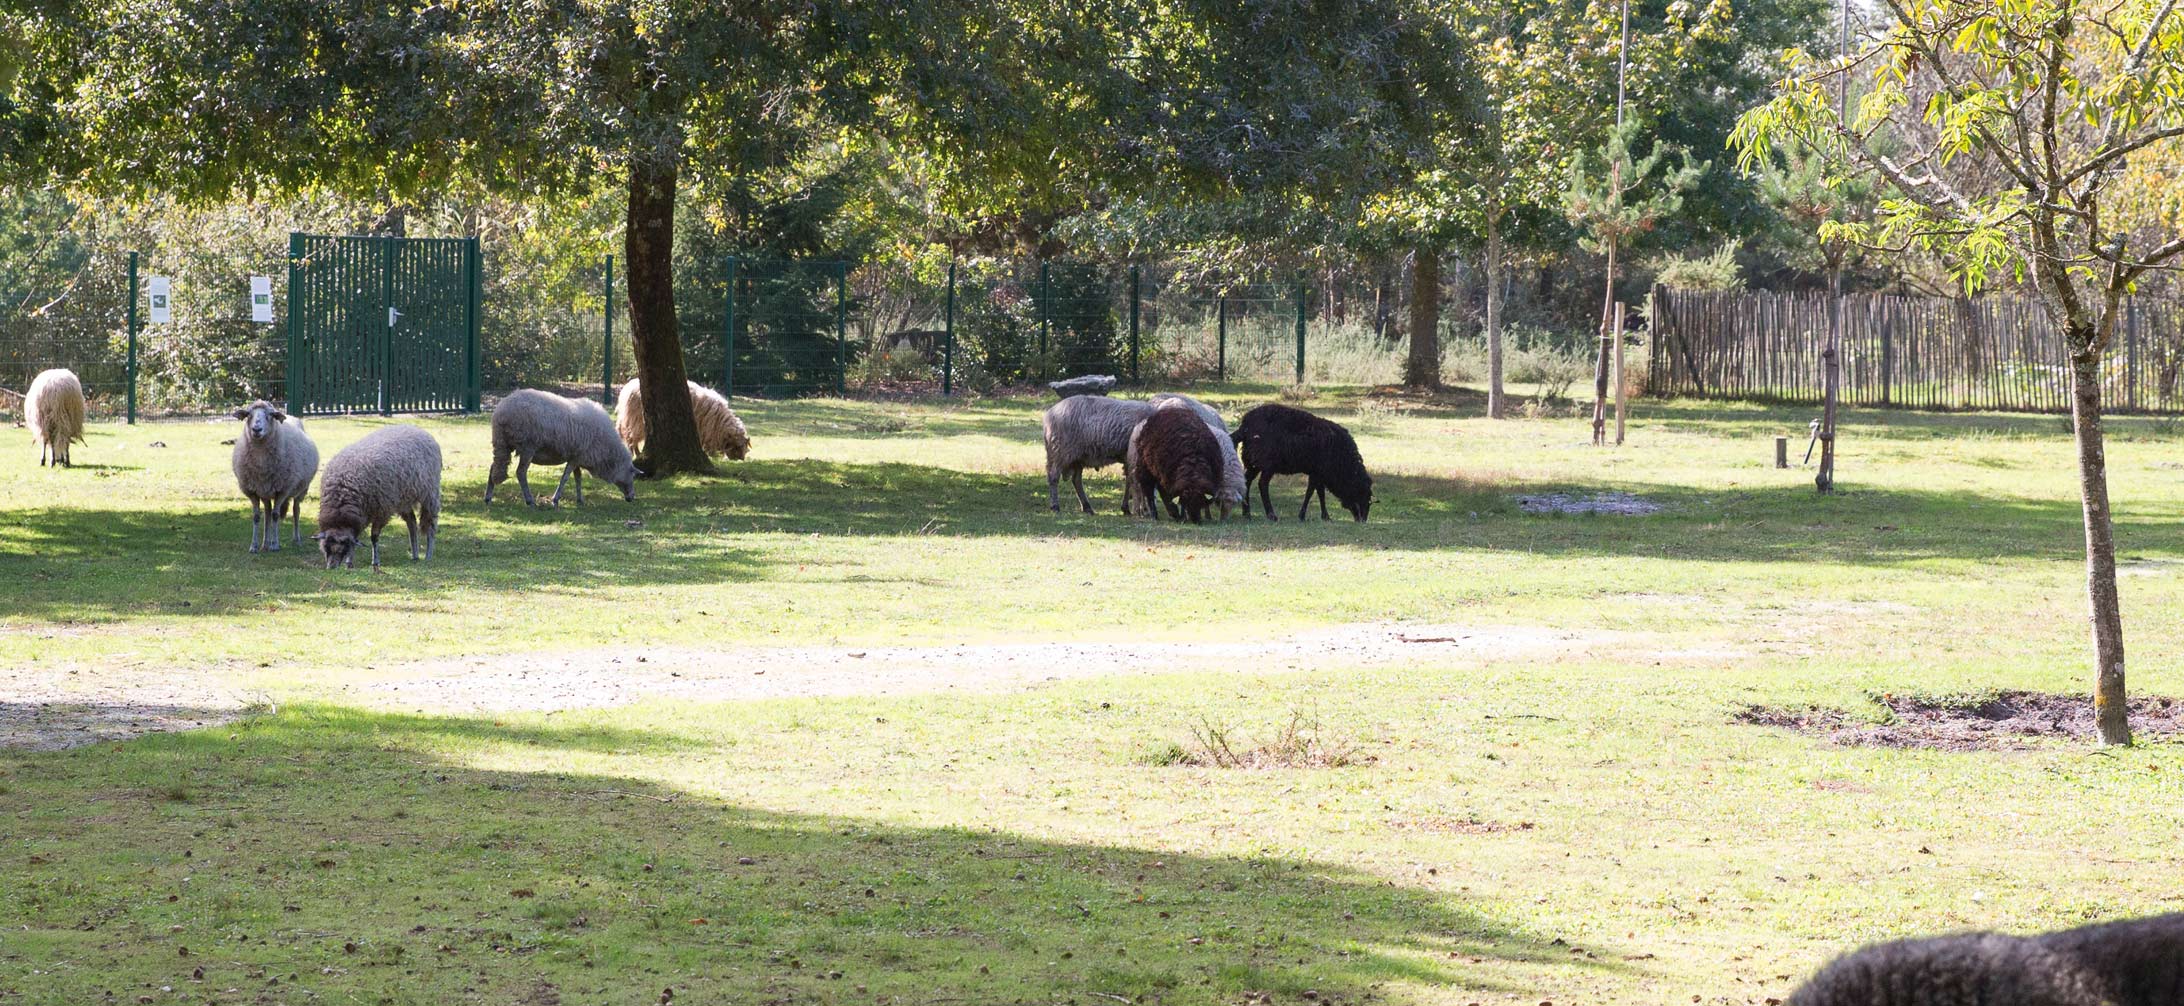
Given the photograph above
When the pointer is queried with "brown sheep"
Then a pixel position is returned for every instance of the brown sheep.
(1178, 461)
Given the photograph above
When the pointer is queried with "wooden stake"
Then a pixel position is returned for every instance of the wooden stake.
(1622, 391)
(1781, 452)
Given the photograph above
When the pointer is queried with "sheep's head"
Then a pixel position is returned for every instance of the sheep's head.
(1358, 498)
(258, 418)
(625, 478)
(338, 546)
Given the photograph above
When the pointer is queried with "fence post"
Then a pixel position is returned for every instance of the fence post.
(1220, 345)
(1888, 351)
(296, 406)
(728, 337)
(841, 328)
(1300, 330)
(386, 355)
(606, 358)
(476, 384)
(132, 368)
(1133, 324)
(2130, 354)
(947, 350)
(1046, 300)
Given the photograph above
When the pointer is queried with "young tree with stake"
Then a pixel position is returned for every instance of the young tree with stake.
(2003, 131)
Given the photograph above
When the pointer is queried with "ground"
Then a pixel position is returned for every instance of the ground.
(859, 721)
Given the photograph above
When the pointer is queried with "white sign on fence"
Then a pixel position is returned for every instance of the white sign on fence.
(261, 298)
(159, 288)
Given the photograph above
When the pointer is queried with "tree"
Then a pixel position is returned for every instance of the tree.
(2001, 131)
(1801, 188)
(1613, 209)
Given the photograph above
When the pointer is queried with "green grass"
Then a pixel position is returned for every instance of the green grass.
(1580, 830)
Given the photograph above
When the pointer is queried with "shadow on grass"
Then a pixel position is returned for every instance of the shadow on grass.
(77, 564)
(358, 854)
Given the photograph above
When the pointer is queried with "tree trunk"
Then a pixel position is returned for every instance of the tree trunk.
(1423, 368)
(1600, 363)
(2109, 711)
(648, 249)
(1831, 371)
(1496, 405)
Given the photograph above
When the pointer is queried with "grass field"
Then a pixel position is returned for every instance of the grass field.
(1576, 821)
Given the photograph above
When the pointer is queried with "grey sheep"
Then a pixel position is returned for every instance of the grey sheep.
(274, 461)
(1230, 493)
(2137, 962)
(393, 472)
(552, 430)
(1087, 431)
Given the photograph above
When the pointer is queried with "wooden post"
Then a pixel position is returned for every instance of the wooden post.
(1781, 452)
(1622, 391)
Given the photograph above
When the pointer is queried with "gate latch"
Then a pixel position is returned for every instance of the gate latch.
(391, 315)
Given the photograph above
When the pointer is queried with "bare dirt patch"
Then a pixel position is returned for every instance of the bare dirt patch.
(1458, 825)
(1613, 504)
(48, 709)
(2006, 721)
(547, 682)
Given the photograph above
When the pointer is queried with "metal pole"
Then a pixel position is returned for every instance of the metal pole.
(947, 351)
(1046, 298)
(132, 371)
(841, 328)
(728, 337)
(296, 404)
(472, 402)
(606, 357)
(1220, 346)
(1133, 324)
(386, 354)
(1300, 331)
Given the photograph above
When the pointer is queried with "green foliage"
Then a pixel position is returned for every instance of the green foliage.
(1624, 197)
(1717, 270)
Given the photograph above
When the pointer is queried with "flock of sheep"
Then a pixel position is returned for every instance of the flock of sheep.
(1177, 454)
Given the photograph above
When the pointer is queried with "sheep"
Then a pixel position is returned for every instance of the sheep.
(1233, 488)
(1178, 460)
(274, 461)
(2138, 962)
(393, 472)
(552, 430)
(1279, 440)
(719, 430)
(1087, 431)
(53, 409)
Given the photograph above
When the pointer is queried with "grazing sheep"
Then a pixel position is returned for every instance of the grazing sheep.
(53, 409)
(1087, 431)
(1233, 488)
(2139, 962)
(1178, 461)
(1279, 440)
(552, 430)
(274, 461)
(719, 429)
(393, 472)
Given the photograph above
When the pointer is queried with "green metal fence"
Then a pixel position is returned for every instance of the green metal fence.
(382, 324)
(787, 328)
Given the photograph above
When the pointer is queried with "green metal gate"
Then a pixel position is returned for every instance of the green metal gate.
(786, 329)
(382, 324)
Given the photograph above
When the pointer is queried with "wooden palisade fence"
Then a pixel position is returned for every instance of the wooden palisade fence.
(1917, 352)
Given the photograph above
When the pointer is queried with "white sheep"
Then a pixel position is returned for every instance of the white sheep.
(553, 430)
(1232, 485)
(274, 461)
(719, 429)
(53, 409)
(393, 472)
(1087, 431)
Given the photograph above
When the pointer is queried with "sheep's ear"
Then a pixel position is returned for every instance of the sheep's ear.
(242, 413)
(278, 415)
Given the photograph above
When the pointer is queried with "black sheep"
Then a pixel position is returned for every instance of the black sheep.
(1178, 461)
(1279, 440)
(2138, 962)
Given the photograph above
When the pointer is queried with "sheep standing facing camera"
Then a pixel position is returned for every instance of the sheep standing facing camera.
(53, 409)
(552, 430)
(393, 472)
(274, 462)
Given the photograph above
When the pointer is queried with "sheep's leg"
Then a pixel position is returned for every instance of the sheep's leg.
(579, 472)
(1249, 475)
(523, 479)
(563, 484)
(431, 514)
(1076, 479)
(409, 520)
(257, 517)
(1322, 500)
(1054, 488)
(274, 509)
(1311, 482)
(1266, 495)
(295, 520)
(377, 526)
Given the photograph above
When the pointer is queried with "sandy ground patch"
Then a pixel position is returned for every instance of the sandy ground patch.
(43, 709)
(556, 681)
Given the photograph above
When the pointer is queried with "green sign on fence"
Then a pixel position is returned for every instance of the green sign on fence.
(382, 324)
